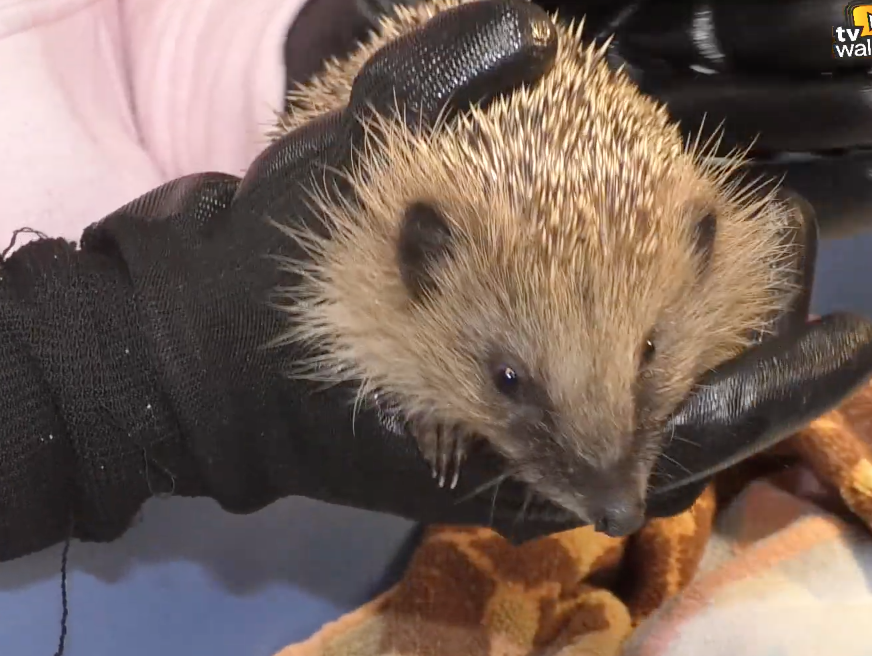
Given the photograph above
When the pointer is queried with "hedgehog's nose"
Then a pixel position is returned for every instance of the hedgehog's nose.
(619, 517)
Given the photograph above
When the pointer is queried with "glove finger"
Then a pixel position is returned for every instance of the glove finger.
(802, 239)
(467, 55)
(803, 233)
(838, 187)
(368, 470)
(675, 501)
(461, 57)
(738, 35)
(287, 163)
(764, 396)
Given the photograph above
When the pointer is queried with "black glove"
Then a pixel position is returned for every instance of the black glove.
(766, 71)
(329, 28)
(749, 404)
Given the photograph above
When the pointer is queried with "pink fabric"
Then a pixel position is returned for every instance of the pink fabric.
(103, 100)
(781, 577)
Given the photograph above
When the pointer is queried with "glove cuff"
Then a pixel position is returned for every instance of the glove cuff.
(82, 422)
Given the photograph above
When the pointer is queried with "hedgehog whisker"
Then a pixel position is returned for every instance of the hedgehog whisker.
(493, 482)
(683, 440)
(528, 498)
(671, 437)
(658, 472)
(674, 437)
(676, 463)
(493, 507)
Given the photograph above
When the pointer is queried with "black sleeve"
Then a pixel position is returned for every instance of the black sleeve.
(98, 400)
(74, 366)
(95, 417)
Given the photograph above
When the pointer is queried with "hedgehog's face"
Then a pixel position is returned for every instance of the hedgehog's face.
(564, 295)
(570, 370)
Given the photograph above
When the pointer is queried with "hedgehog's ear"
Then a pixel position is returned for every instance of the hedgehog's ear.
(705, 231)
(425, 242)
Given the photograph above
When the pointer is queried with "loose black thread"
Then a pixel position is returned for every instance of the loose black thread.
(65, 554)
(65, 602)
(14, 240)
(151, 488)
(148, 460)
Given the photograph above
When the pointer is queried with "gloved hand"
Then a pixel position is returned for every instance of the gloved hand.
(766, 72)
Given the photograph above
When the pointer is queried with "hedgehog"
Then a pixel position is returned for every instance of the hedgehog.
(549, 274)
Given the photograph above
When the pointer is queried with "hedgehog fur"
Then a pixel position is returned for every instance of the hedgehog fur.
(598, 265)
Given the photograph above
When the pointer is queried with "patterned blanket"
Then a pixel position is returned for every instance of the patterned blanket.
(775, 558)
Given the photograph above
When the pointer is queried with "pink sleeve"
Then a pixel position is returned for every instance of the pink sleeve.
(206, 77)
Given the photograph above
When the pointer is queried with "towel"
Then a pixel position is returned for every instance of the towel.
(774, 558)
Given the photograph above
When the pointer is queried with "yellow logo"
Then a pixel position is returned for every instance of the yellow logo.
(858, 15)
(852, 40)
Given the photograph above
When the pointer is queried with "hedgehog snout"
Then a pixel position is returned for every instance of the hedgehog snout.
(612, 499)
(617, 515)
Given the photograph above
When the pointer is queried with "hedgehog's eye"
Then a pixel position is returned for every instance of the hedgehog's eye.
(507, 380)
(649, 350)
(510, 378)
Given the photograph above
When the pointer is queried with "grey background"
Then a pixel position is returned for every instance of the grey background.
(190, 580)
